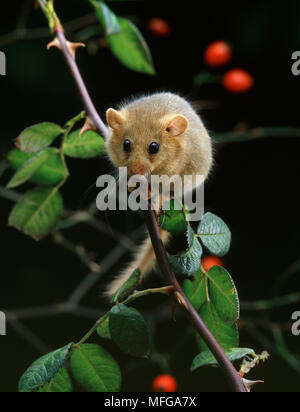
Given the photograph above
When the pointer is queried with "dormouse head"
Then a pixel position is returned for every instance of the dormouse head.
(146, 143)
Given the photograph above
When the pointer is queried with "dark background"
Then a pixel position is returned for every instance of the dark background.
(254, 186)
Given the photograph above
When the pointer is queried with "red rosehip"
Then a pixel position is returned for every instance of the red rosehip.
(159, 27)
(217, 54)
(210, 261)
(238, 81)
(164, 383)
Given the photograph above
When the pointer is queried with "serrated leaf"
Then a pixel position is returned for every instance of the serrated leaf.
(107, 17)
(172, 218)
(223, 294)
(208, 359)
(195, 290)
(37, 212)
(128, 286)
(50, 173)
(60, 383)
(43, 370)
(103, 330)
(95, 369)
(38, 137)
(225, 333)
(215, 234)
(130, 48)
(129, 331)
(89, 145)
(189, 262)
(29, 168)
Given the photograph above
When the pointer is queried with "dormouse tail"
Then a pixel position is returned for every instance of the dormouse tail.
(144, 260)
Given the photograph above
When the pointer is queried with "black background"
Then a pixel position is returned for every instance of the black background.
(254, 186)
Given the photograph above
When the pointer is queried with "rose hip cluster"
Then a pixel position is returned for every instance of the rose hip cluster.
(218, 54)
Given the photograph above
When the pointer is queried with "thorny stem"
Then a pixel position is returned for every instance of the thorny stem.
(84, 94)
(153, 229)
(204, 332)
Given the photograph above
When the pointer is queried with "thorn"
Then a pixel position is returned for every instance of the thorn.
(250, 384)
(72, 47)
(169, 290)
(54, 43)
(181, 300)
(88, 125)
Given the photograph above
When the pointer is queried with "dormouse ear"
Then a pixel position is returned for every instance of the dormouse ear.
(114, 119)
(177, 125)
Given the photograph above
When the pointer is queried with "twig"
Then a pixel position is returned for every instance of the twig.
(74, 218)
(78, 250)
(153, 229)
(29, 336)
(37, 312)
(292, 360)
(114, 234)
(23, 33)
(204, 332)
(257, 133)
(85, 312)
(9, 194)
(91, 279)
(84, 94)
(272, 303)
(278, 347)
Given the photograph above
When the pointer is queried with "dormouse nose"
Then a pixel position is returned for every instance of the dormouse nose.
(137, 168)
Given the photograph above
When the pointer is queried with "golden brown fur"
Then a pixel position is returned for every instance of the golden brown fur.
(185, 149)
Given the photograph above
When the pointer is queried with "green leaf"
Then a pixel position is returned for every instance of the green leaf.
(215, 234)
(43, 370)
(37, 212)
(60, 383)
(130, 48)
(128, 286)
(38, 137)
(189, 262)
(50, 173)
(95, 369)
(172, 218)
(29, 168)
(103, 329)
(225, 333)
(107, 17)
(223, 294)
(195, 290)
(208, 359)
(129, 331)
(90, 144)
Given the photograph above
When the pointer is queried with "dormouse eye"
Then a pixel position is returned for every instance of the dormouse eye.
(127, 146)
(153, 148)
